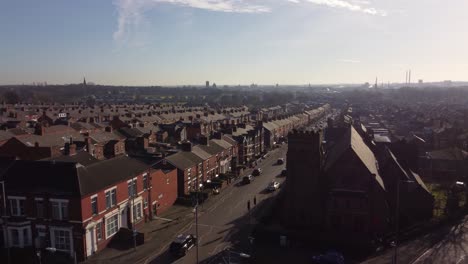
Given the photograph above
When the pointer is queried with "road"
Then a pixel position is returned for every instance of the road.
(445, 244)
(227, 223)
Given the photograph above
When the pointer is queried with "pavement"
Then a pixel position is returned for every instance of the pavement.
(446, 245)
(223, 222)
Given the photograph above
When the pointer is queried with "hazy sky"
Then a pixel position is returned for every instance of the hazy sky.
(169, 42)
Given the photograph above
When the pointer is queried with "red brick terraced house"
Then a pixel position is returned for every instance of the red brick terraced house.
(78, 209)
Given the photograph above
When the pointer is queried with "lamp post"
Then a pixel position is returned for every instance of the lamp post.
(134, 232)
(200, 187)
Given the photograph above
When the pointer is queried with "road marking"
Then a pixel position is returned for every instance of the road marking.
(421, 256)
(461, 259)
(164, 219)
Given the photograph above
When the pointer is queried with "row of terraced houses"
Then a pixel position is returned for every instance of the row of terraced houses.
(73, 186)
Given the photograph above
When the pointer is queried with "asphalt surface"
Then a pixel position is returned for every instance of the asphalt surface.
(227, 223)
(445, 244)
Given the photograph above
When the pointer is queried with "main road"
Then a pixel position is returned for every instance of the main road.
(227, 222)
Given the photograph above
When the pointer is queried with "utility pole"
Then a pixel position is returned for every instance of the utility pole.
(134, 192)
(397, 220)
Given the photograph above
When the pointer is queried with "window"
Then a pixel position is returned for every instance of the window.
(41, 231)
(112, 225)
(20, 236)
(61, 239)
(59, 209)
(17, 206)
(40, 209)
(94, 205)
(145, 181)
(111, 198)
(132, 188)
(99, 231)
(137, 212)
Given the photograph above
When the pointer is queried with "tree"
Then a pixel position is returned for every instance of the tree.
(11, 97)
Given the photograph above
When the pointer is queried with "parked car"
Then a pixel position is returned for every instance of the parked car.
(216, 191)
(182, 244)
(265, 156)
(331, 257)
(280, 161)
(273, 186)
(247, 179)
(284, 173)
(257, 172)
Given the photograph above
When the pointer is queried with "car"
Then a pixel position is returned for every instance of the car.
(257, 172)
(265, 156)
(273, 186)
(284, 173)
(329, 258)
(280, 161)
(216, 191)
(247, 179)
(182, 244)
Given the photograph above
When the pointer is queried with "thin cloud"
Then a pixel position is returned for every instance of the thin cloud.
(130, 12)
(351, 6)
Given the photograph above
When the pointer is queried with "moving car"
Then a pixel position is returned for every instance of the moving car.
(273, 186)
(247, 179)
(257, 172)
(182, 244)
(280, 161)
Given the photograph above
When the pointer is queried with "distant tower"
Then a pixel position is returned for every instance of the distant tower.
(406, 77)
(207, 84)
(375, 85)
(303, 189)
(409, 77)
(84, 81)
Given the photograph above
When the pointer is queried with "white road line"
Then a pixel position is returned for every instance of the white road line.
(164, 219)
(421, 256)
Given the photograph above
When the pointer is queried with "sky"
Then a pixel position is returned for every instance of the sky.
(186, 42)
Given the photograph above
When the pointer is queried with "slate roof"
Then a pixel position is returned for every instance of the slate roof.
(184, 160)
(5, 135)
(130, 132)
(354, 142)
(103, 137)
(81, 157)
(107, 173)
(36, 177)
(222, 143)
(197, 150)
(55, 140)
(211, 148)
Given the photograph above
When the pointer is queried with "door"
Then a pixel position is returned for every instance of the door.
(90, 242)
(123, 218)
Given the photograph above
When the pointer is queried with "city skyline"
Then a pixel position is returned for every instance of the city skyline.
(166, 42)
